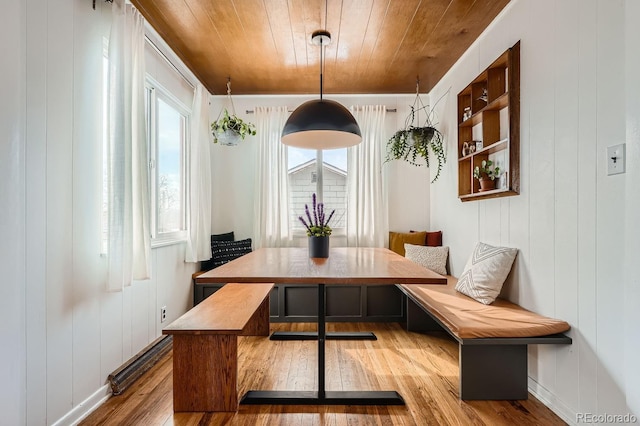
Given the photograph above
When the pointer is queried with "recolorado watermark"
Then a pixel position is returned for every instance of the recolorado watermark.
(606, 418)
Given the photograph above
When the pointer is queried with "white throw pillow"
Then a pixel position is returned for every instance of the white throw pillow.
(434, 258)
(485, 272)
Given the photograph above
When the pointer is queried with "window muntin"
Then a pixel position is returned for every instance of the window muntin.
(323, 172)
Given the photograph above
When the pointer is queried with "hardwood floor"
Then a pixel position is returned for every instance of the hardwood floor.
(422, 368)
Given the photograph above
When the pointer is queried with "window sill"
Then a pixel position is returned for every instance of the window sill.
(163, 242)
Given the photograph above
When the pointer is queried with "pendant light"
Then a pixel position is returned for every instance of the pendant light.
(321, 123)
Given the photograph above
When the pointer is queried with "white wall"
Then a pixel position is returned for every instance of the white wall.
(62, 332)
(234, 178)
(12, 211)
(632, 199)
(573, 224)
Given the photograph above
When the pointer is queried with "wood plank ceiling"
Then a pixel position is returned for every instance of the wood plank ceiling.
(378, 46)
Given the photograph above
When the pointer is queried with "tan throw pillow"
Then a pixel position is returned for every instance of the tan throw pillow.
(434, 258)
(398, 239)
(485, 272)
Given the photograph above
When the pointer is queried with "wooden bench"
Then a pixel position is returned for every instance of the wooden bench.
(205, 346)
(492, 338)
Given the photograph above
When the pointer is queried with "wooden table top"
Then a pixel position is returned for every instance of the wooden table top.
(345, 265)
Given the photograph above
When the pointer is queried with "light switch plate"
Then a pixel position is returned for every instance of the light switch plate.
(615, 159)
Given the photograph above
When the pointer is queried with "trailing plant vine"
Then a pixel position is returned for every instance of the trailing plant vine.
(413, 143)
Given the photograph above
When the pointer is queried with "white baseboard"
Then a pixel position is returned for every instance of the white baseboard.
(86, 407)
(552, 402)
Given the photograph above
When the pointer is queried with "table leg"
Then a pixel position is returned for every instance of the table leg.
(322, 397)
(321, 340)
(313, 335)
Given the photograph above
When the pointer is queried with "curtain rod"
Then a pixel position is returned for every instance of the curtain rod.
(250, 111)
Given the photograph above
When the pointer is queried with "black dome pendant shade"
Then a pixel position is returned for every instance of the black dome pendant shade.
(321, 123)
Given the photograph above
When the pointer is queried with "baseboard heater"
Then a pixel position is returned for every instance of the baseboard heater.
(130, 371)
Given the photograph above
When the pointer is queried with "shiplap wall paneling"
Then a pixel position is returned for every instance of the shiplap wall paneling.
(610, 209)
(35, 284)
(87, 200)
(59, 233)
(632, 279)
(632, 288)
(586, 335)
(566, 146)
(12, 213)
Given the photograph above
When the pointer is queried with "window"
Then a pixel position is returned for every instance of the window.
(323, 172)
(167, 133)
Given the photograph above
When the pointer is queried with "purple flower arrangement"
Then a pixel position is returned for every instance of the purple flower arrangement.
(316, 226)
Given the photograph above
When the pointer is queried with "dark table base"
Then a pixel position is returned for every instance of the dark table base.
(321, 396)
(313, 335)
(256, 397)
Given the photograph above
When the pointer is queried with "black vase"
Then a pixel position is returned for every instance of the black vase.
(319, 247)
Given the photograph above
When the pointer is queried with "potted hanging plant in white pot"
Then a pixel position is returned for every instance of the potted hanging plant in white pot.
(413, 143)
(229, 129)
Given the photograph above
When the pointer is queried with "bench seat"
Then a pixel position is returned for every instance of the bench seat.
(468, 319)
(205, 346)
(492, 339)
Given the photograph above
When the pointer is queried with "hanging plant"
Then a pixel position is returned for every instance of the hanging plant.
(231, 126)
(230, 129)
(413, 143)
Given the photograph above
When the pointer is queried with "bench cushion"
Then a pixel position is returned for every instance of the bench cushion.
(467, 318)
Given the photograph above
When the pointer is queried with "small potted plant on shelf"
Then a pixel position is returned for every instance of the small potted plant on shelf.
(486, 173)
(230, 129)
(318, 229)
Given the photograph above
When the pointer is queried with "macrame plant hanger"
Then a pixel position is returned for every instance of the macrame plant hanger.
(228, 137)
(229, 129)
(231, 110)
(413, 119)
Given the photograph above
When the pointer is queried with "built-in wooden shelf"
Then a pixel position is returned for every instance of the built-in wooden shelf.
(493, 101)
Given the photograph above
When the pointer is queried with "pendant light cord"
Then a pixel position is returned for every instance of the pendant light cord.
(326, 8)
(321, 66)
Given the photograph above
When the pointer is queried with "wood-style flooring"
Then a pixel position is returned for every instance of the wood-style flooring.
(423, 368)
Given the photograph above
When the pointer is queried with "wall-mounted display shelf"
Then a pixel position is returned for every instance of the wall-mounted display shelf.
(489, 127)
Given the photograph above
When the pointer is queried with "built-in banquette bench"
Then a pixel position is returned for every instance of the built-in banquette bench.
(492, 338)
(205, 346)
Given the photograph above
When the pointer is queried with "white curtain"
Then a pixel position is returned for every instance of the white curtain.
(271, 218)
(367, 216)
(129, 245)
(199, 201)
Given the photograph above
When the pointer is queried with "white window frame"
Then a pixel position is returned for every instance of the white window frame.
(300, 232)
(155, 91)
